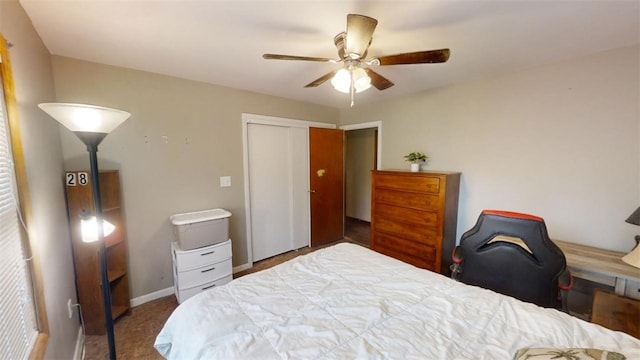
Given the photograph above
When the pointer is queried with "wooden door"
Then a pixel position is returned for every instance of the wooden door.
(326, 180)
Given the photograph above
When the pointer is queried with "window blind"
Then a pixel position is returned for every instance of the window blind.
(18, 329)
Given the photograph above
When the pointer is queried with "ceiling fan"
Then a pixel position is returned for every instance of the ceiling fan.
(353, 45)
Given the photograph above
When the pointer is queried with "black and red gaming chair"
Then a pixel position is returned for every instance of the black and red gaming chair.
(511, 253)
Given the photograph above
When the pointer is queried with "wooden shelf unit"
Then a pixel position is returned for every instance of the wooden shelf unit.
(86, 255)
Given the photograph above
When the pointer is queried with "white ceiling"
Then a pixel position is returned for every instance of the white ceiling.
(222, 42)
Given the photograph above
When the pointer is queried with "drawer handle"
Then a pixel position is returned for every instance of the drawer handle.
(204, 271)
(208, 287)
(207, 253)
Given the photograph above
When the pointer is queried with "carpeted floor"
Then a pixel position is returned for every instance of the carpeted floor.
(135, 333)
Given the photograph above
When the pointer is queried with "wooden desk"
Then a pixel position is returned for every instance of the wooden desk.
(616, 312)
(603, 267)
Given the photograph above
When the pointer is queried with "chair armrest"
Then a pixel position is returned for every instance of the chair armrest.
(565, 281)
(456, 255)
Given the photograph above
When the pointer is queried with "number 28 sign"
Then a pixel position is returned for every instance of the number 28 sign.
(77, 178)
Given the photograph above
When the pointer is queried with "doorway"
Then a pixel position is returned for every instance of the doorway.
(362, 155)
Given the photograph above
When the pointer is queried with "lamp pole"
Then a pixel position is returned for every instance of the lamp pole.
(104, 273)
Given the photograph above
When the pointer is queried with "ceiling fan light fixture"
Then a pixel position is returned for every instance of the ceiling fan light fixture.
(361, 81)
(341, 81)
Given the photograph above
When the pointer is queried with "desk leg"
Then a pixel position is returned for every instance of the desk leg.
(621, 284)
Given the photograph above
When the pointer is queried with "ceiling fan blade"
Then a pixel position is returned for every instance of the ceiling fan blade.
(377, 80)
(359, 34)
(301, 58)
(418, 57)
(321, 79)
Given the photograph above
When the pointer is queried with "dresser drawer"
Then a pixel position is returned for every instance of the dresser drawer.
(419, 234)
(184, 294)
(197, 258)
(406, 215)
(408, 199)
(408, 183)
(205, 274)
(430, 261)
(424, 252)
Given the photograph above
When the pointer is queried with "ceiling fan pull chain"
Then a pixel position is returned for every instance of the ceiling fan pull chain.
(352, 89)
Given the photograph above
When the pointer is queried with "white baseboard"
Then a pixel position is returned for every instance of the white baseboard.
(78, 352)
(242, 267)
(150, 297)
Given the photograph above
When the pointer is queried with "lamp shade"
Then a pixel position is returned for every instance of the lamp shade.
(634, 218)
(85, 118)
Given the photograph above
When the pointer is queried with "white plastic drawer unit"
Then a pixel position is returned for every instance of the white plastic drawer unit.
(200, 269)
(183, 295)
(192, 259)
(195, 277)
(201, 228)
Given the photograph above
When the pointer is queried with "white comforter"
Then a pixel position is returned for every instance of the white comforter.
(348, 302)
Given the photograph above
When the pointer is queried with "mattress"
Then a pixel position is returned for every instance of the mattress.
(348, 302)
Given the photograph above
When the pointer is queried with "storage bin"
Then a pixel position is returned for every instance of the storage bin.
(201, 228)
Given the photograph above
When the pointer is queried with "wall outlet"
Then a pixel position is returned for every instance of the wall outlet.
(70, 308)
(225, 181)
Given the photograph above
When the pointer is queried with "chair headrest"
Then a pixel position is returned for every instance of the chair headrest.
(513, 214)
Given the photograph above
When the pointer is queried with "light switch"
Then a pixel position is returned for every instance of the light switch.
(225, 181)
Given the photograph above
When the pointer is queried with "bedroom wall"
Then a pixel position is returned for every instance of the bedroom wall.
(561, 141)
(48, 226)
(182, 136)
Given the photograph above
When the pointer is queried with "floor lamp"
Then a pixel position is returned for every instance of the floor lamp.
(92, 124)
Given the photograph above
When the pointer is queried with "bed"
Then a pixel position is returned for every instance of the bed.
(348, 302)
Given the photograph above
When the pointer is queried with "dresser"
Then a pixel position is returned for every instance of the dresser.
(200, 269)
(414, 216)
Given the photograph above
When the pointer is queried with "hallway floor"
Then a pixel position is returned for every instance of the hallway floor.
(357, 230)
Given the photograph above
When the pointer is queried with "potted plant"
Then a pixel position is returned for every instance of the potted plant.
(415, 158)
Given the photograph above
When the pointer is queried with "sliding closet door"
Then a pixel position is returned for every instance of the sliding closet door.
(278, 184)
